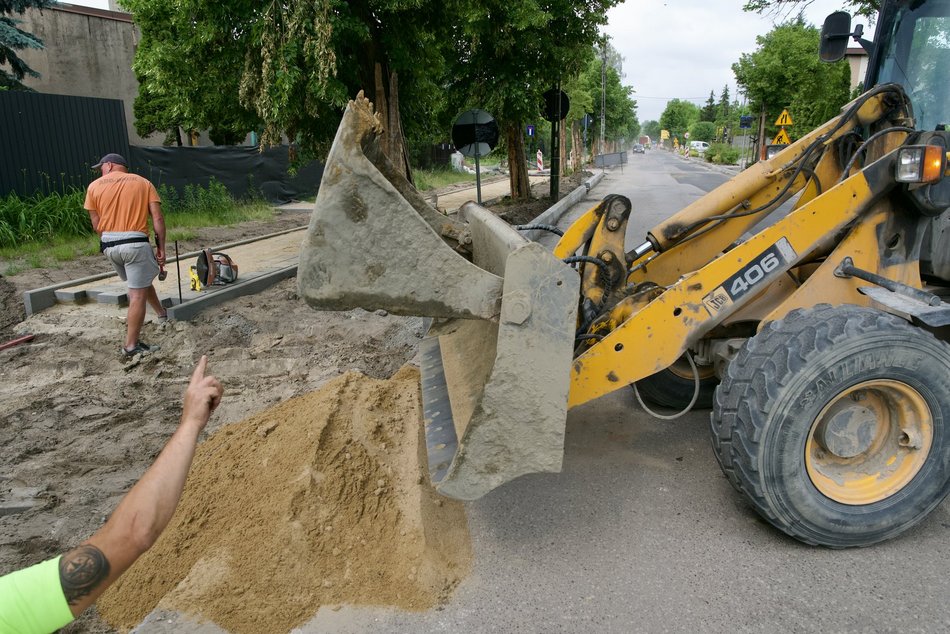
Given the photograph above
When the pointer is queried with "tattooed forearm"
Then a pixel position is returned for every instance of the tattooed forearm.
(81, 570)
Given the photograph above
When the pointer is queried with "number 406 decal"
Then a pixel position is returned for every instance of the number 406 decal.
(748, 277)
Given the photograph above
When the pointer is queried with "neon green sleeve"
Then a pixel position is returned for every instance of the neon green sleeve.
(32, 600)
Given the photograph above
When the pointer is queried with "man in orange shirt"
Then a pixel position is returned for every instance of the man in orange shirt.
(119, 205)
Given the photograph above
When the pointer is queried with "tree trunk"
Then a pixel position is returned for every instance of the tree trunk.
(382, 86)
(577, 144)
(517, 163)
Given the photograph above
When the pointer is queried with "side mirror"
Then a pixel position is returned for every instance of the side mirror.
(835, 34)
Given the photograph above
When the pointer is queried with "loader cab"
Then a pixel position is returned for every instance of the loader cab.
(911, 48)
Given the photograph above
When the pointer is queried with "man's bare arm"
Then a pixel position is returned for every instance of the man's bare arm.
(94, 218)
(87, 570)
(158, 225)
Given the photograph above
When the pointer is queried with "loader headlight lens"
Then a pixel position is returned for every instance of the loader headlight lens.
(920, 164)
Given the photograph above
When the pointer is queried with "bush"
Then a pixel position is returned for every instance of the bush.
(722, 154)
(41, 217)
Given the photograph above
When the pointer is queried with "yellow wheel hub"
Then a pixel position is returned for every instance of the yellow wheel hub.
(869, 442)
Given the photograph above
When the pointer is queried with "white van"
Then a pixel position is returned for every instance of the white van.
(699, 146)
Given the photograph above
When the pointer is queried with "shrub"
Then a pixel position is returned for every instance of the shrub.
(43, 216)
(722, 154)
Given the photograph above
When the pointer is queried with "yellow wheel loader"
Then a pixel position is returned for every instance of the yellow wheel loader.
(817, 336)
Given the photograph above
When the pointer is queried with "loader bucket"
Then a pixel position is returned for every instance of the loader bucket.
(496, 361)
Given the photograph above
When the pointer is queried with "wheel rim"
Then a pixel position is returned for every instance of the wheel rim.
(683, 370)
(869, 442)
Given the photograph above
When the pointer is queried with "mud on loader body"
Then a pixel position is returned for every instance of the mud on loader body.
(818, 339)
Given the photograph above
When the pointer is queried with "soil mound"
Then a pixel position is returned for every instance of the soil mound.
(319, 501)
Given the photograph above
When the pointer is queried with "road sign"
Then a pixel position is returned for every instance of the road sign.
(781, 138)
(475, 133)
(556, 105)
(745, 121)
(784, 119)
(664, 135)
(686, 135)
(530, 130)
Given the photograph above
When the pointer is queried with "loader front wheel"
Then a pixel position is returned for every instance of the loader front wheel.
(674, 387)
(835, 423)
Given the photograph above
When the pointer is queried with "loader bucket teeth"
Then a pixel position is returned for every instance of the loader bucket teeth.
(374, 243)
(496, 362)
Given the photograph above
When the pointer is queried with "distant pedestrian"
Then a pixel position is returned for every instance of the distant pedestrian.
(119, 205)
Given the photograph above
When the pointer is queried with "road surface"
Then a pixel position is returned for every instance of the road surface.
(642, 533)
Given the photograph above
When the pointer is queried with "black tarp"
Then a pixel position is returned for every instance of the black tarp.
(244, 170)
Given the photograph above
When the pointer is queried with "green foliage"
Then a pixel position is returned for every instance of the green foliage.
(188, 63)
(702, 131)
(867, 8)
(652, 129)
(722, 153)
(201, 206)
(45, 229)
(708, 112)
(678, 116)
(42, 216)
(13, 38)
(621, 120)
(785, 72)
(440, 177)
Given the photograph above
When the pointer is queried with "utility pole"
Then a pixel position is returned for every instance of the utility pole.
(603, 103)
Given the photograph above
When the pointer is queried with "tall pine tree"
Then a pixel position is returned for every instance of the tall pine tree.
(13, 39)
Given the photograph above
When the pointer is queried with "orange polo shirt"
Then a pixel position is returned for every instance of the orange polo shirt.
(121, 199)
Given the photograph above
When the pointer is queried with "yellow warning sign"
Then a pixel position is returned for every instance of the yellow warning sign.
(784, 119)
(781, 138)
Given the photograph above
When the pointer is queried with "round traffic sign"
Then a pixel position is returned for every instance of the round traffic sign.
(556, 105)
(475, 133)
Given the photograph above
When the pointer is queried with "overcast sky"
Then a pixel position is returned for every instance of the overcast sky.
(685, 48)
(681, 48)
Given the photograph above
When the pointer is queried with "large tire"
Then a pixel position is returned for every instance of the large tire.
(674, 387)
(835, 423)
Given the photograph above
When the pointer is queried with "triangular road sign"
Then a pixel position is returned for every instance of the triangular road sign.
(784, 118)
(781, 138)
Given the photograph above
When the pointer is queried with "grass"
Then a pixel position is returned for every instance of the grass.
(436, 178)
(44, 231)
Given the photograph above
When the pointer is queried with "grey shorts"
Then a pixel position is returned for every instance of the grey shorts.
(135, 263)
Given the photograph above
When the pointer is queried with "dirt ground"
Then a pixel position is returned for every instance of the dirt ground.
(80, 423)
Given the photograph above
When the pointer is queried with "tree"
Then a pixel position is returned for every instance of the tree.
(678, 116)
(702, 131)
(786, 73)
(724, 108)
(506, 58)
(13, 38)
(652, 129)
(708, 113)
(788, 8)
(726, 118)
(188, 63)
(287, 69)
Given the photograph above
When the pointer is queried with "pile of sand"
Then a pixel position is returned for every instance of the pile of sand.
(321, 500)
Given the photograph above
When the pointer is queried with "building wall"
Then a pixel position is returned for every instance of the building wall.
(858, 60)
(88, 53)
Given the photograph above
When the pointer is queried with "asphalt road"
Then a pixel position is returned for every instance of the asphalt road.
(642, 533)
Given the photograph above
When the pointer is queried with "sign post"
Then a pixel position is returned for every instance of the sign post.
(475, 133)
(556, 105)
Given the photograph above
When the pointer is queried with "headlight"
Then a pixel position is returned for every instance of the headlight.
(920, 164)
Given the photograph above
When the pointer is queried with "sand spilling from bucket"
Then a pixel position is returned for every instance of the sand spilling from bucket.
(319, 501)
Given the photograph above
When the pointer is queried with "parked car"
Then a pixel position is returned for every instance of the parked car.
(699, 146)
(638, 149)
